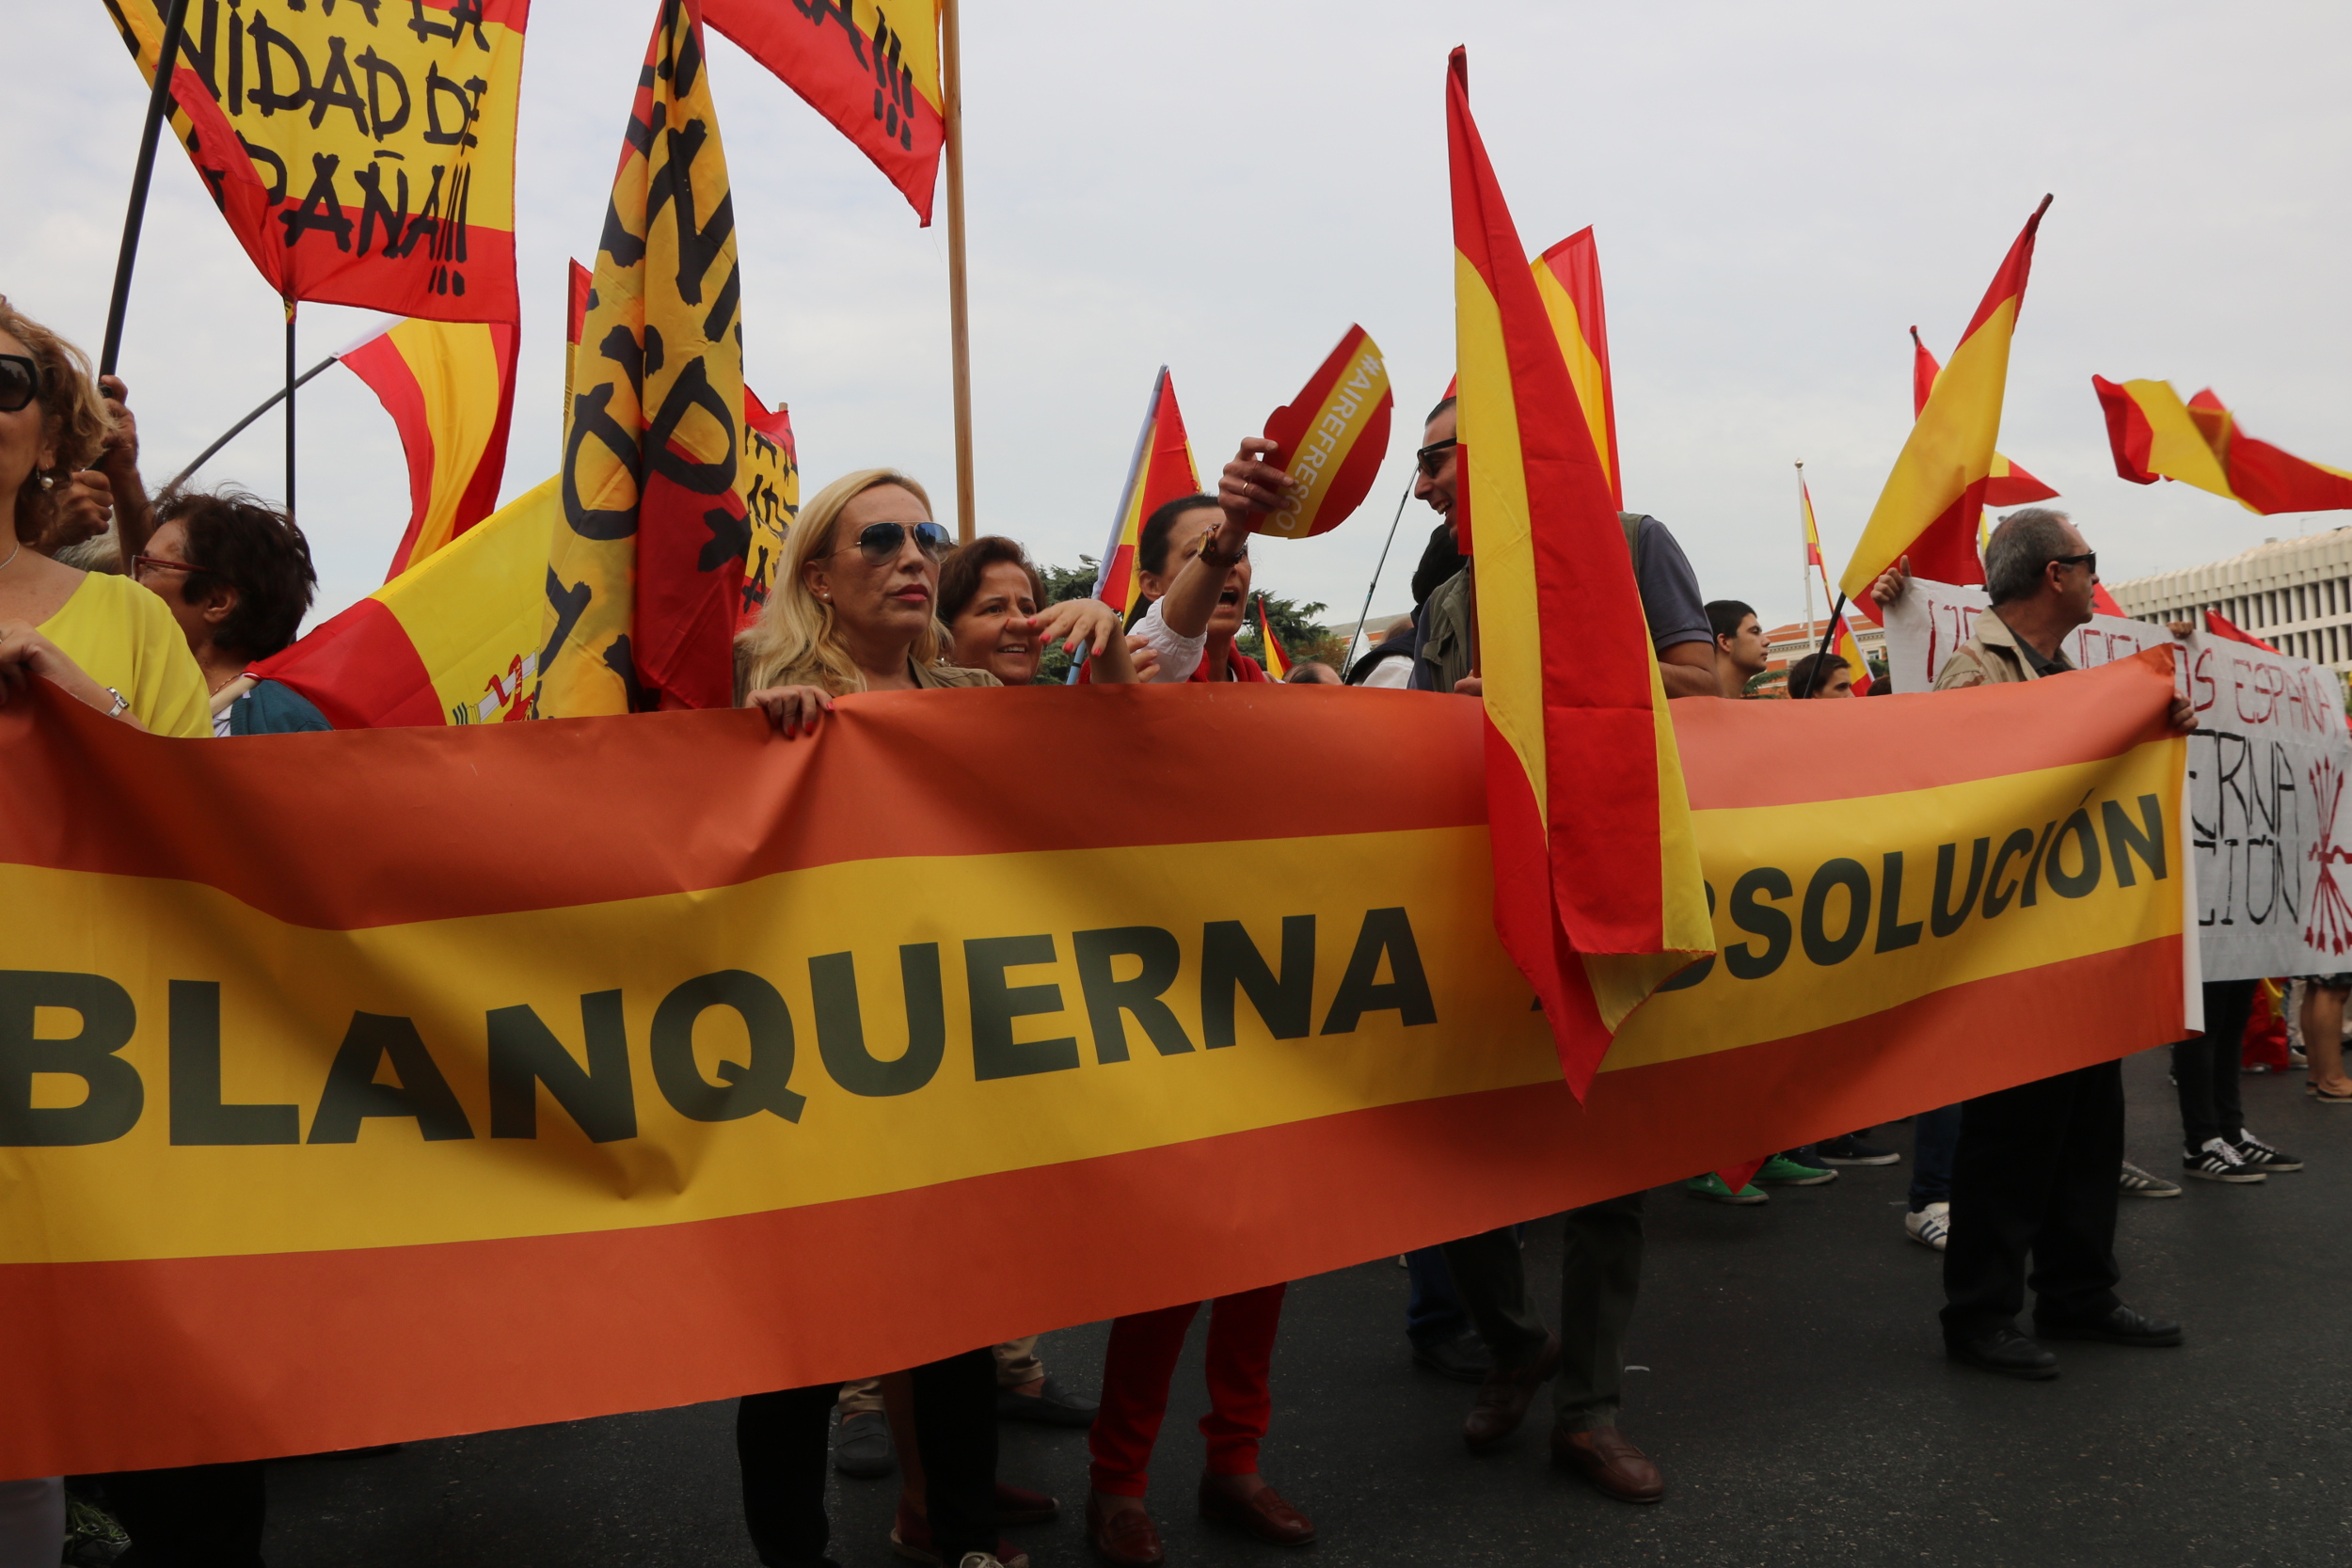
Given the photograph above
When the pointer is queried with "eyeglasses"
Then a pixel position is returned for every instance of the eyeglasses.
(1432, 457)
(881, 543)
(142, 564)
(19, 381)
(2088, 558)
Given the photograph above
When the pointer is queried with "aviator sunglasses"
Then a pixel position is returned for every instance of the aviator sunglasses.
(19, 381)
(880, 543)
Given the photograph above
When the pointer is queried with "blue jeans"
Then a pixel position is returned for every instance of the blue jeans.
(1433, 1312)
(1935, 1134)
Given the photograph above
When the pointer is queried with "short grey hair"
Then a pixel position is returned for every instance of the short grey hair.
(2021, 548)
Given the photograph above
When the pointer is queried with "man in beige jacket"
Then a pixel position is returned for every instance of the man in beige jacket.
(2035, 1170)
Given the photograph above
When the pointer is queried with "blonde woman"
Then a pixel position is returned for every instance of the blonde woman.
(856, 606)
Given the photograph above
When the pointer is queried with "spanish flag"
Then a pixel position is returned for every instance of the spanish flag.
(2157, 437)
(363, 154)
(870, 68)
(2221, 627)
(2007, 484)
(644, 574)
(1935, 494)
(1841, 636)
(1277, 662)
(1567, 278)
(450, 387)
(1161, 471)
(1597, 891)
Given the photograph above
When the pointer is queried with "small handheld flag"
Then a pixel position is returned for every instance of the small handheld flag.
(1161, 471)
(1331, 439)
(1277, 663)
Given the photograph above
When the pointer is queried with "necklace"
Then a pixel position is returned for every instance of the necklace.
(12, 554)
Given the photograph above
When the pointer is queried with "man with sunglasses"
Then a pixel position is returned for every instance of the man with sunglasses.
(2034, 1170)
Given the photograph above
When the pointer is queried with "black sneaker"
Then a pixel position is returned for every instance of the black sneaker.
(2218, 1160)
(863, 1446)
(2259, 1155)
(1852, 1150)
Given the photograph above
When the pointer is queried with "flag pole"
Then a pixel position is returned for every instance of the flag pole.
(1805, 546)
(241, 425)
(291, 384)
(1374, 586)
(1829, 634)
(158, 94)
(959, 309)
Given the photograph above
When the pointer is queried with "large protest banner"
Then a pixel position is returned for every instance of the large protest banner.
(348, 1094)
(362, 153)
(2266, 770)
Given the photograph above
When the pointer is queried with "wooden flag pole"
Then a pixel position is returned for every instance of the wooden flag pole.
(959, 309)
(158, 95)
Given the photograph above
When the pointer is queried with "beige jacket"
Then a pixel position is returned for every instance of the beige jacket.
(809, 672)
(1991, 658)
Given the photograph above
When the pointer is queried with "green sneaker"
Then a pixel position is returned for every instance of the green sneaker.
(1711, 1188)
(1781, 1171)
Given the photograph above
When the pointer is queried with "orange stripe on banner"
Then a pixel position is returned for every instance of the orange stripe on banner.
(696, 793)
(1760, 754)
(248, 1356)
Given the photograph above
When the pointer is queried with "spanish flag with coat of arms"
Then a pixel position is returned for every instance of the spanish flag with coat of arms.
(1599, 897)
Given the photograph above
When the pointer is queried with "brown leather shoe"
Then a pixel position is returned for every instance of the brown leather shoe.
(1263, 1514)
(1127, 1539)
(1503, 1398)
(1607, 1459)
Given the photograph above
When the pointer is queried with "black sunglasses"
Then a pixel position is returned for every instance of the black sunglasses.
(880, 543)
(1432, 457)
(2088, 558)
(19, 381)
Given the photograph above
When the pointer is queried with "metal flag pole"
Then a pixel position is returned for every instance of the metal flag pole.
(1805, 543)
(958, 308)
(158, 95)
(1374, 586)
(1829, 634)
(291, 384)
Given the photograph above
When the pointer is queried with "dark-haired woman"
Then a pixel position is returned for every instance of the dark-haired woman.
(237, 578)
(98, 637)
(992, 602)
(1193, 560)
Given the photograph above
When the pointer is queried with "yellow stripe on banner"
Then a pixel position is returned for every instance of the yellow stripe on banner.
(1592, 388)
(1399, 924)
(1487, 422)
(2015, 871)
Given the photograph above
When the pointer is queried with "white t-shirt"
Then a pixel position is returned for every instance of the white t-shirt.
(1178, 655)
(1392, 674)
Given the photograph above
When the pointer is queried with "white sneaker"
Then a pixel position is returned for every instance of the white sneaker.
(1930, 1226)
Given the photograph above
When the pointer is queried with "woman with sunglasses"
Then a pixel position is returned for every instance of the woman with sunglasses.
(854, 610)
(103, 639)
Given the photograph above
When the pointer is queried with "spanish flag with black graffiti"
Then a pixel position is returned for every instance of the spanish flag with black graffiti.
(331, 1064)
(1597, 880)
(645, 585)
(363, 154)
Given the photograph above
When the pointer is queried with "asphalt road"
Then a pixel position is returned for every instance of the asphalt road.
(1792, 1388)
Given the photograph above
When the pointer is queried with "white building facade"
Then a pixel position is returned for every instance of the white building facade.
(2296, 595)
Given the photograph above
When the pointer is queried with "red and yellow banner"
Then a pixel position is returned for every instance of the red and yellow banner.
(1568, 278)
(870, 68)
(1161, 471)
(1596, 883)
(1331, 439)
(450, 388)
(2005, 483)
(1934, 497)
(363, 154)
(2155, 436)
(645, 574)
(345, 1100)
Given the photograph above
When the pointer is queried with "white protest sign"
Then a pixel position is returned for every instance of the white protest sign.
(1933, 618)
(2266, 816)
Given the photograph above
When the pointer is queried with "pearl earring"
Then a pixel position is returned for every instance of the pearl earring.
(48, 481)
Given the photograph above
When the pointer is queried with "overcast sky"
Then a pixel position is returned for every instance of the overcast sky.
(1779, 191)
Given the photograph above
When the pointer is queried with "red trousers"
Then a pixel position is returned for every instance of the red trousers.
(1136, 1373)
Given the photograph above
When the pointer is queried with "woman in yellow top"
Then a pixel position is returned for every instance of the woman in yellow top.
(105, 640)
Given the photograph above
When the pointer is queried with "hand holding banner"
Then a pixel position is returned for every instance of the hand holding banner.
(1332, 438)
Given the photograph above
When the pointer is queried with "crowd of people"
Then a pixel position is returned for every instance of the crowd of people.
(152, 611)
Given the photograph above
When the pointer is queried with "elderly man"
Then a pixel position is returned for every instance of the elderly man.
(2035, 1170)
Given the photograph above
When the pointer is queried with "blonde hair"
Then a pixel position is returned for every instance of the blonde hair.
(72, 415)
(797, 635)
